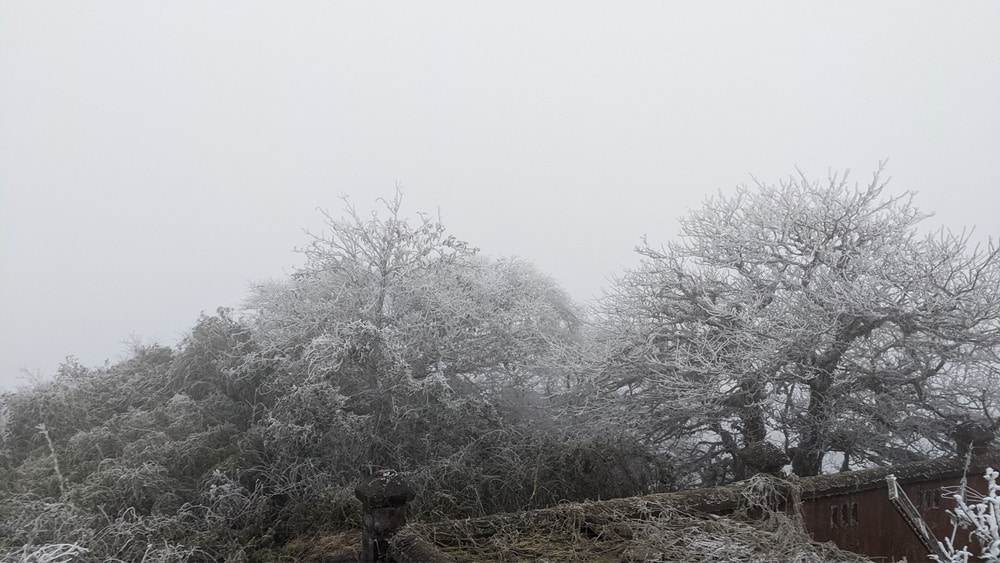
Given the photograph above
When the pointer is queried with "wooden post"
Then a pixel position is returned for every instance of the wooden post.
(384, 499)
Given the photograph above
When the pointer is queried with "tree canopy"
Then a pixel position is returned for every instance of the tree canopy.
(814, 316)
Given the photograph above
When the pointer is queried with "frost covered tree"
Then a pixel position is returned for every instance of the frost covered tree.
(815, 317)
(383, 288)
(981, 515)
(398, 343)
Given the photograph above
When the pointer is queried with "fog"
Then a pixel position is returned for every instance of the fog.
(157, 158)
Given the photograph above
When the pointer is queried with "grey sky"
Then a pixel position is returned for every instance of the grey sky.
(157, 157)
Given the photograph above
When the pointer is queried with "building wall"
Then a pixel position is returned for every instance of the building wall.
(866, 521)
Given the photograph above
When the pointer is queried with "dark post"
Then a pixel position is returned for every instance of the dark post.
(384, 499)
(973, 435)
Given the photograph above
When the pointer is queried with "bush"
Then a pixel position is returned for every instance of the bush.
(982, 516)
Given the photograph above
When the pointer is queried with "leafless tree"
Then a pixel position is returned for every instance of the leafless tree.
(417, 294)
(817, 317)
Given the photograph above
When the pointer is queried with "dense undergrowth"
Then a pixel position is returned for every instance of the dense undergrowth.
(172, 455)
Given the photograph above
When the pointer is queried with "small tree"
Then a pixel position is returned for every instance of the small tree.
(982, 516)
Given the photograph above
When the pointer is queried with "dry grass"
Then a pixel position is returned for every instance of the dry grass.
(342, 547)
(616, 532)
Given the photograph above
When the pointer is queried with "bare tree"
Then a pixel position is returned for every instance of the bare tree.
(413, 293)
(812, 316)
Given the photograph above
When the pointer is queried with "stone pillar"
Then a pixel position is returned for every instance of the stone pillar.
(383, 498)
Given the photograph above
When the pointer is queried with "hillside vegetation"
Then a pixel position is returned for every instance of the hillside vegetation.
(815, 318)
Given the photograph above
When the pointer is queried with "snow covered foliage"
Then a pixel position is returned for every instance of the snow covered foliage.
(815, 316)
(982, 515)
(395, 345)
(413, 295)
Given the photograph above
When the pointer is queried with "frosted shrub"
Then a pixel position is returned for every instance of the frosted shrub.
(984, 519)
(49, 553)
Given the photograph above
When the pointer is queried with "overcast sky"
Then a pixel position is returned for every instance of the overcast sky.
(158, 157)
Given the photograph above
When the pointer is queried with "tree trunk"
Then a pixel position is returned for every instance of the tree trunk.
(751, 414)
(807, 458)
